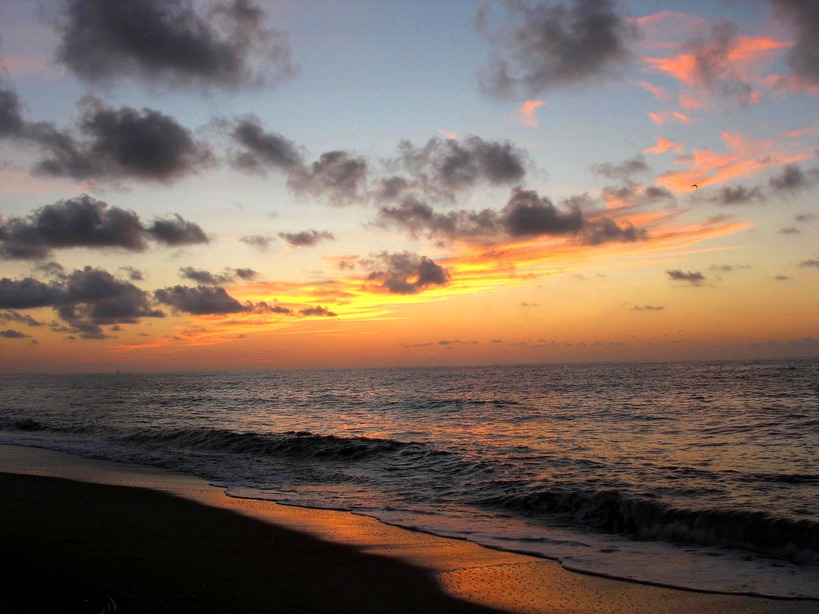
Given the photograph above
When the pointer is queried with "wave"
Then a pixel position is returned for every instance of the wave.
(291, 444)
(615, 512)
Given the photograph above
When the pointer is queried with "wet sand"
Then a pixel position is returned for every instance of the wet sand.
(79, 536)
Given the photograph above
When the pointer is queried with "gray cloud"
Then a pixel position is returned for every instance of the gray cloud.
(168, 41)
(549, 44)
(13, 334)
(736, 195)
(257, 241)
(803, 17)
(201, 300)
(86, 222)
(622, 171)
(13, 316)
(794, 179)
(809, 263)
(262, 149)
(712, 66)
(11, 119)
(306, 238)
(648, 308)
(120, 143)
(337, 175)
(85, 299)
(444, 166)
(317, 311)
(176, 230)
(528, 214)
(405, 272)
(202, 276)
(695, 278)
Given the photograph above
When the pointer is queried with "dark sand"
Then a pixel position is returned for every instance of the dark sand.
(70, 546)
(78, 535)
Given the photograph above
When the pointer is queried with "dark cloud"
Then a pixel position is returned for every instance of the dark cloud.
(262, 149)
(809, 263)
(317, 311)
(549, 44)
(201, 300)
(121, 143)
(713, 67)
(86, 222)
(405, 273)
(176, 230)
(169, 41)
(336, 175)
(805, 218)
(133, 273)
(803, 17)
(736, 195)
(257, 241)
(11, 119)
(444, 166)
(648, 308)
(263, 307)
(794, 179)
(789, 230)
(605, 230)
(85, 299)
(227, 276)
(13, 316)
(13, 334)
(528, 214)
(622, 171)
(695, 278)
(306, 238)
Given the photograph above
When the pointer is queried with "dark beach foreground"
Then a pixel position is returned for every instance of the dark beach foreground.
(70, 545)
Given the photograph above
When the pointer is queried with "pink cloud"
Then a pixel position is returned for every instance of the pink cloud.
(664, 145)
(527, 112)
(447, 134)
(670, 117)
(660, 93)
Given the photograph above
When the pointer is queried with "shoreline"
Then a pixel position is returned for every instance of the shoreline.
(317, 547)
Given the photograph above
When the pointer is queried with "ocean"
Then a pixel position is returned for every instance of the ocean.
(701, 475)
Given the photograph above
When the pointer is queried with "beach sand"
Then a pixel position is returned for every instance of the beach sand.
(78, 535)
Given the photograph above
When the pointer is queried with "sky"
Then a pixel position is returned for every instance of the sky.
(251, 184)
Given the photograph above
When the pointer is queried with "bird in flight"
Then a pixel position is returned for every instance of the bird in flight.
(695, 186)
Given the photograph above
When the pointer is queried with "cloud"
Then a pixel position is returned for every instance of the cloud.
(176, 230)
(405, 273)
(803, 57)
(528, 214)
(337, 175)
(445, 166)
(168, 41)
(809, 263)
(202, 276)
(622, 171)
(201, 300)
(85, 299)
(670, 117)
(794, 179)
(317, 311)
(306, 238)
(648, 308)
(548, 44)
(695, 278)
(86, 222)
(447, 133)
(257, 241)
(13, 316)
(13, 334)
(120, 143)
(526, 112)
(736, 195)
(664, 145)
(11, 119)
(262, 149)
(133, 274)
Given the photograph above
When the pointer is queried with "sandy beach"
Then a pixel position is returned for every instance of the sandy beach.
(78, 535)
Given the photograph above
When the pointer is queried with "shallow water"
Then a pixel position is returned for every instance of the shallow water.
(701, 475)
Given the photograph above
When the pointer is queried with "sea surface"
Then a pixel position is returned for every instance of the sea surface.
(697, 475)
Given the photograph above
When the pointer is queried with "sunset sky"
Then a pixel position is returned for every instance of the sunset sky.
(260, 184)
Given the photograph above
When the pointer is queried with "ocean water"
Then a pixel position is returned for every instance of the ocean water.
(695, 475)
